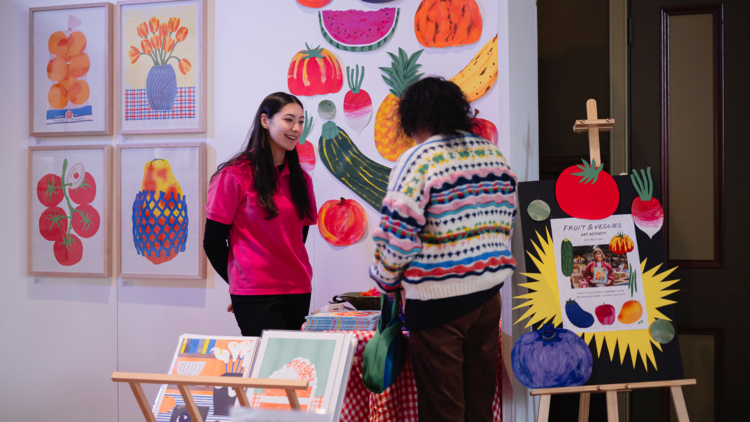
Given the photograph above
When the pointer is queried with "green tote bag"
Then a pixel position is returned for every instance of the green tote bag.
(385, 353)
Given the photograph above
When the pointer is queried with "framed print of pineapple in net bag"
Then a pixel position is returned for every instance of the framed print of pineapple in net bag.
(161, 61)
(69, 204)
(161, 205)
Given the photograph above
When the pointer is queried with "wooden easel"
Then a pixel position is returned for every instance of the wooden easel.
(183, 381)
(593, 126)
(611, 390)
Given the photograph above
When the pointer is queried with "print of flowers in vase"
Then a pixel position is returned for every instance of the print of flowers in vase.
(161, 82)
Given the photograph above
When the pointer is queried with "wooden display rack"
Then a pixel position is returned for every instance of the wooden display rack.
(183, 381)
(611, 390)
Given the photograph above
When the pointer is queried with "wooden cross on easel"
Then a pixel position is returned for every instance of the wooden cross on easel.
(593, 126)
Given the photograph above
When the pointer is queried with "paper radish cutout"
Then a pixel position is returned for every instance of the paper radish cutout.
(305, 150)
(646, 210)
(357, 103)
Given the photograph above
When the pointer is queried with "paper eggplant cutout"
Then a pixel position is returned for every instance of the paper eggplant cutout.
(366, 178)
(358, 30)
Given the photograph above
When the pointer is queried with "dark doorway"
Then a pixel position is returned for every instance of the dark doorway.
(688, 66)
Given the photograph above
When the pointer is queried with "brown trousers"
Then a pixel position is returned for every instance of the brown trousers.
(455, 366)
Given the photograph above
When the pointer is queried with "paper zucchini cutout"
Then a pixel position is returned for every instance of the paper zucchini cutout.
(358, 30)
(566, 257)
(366, 178)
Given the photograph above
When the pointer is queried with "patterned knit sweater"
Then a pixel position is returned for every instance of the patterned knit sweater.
(447, 220)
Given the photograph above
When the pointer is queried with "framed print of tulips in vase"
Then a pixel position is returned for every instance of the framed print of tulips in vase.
(162, 66)
(70, 70)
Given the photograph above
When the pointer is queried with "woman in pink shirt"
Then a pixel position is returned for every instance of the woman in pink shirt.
(260, 204)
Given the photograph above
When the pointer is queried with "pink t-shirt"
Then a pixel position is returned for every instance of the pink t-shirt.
(266, 257)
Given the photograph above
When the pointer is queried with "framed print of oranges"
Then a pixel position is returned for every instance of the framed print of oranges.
(70, 70)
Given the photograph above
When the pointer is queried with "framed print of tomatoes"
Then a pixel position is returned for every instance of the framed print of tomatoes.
(69, 213)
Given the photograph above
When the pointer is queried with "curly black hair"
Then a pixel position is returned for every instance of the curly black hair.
(435, 106)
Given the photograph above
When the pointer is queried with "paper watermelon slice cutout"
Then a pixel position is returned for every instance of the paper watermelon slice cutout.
(358, 30)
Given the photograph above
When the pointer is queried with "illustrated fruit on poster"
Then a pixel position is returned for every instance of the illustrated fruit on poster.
(366, 178)
(358, 30)
(621, 244)
(357, 102)
(327, 109)
(69, 63)
(590, 194)
(160, 214)
(389, 140)
(538, 210)
(314, 71)
(566, 257)
(551, 357)
(577, 316)
(605, 314)
(439, 23)
(313, 3)
(630, 312)
(662, 331)
(477, 78)
(342, 222)
(648, 215)
(484, 128)
(633, 281)
(161, 81)
(55, 224)
(305, 149)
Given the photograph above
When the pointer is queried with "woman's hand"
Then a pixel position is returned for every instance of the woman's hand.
(230, 308)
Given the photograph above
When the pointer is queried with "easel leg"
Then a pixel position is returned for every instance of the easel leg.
(140, 397)
(242, 397)
(583, 407)
(679, 404)
(293, 402)
(192, 408)
(612, 415)
(544, 402)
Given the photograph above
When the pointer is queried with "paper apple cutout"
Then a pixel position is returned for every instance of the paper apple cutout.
(605, 314)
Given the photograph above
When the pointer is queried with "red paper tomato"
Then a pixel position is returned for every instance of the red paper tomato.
(52, 223)
(49, 190)
(343, 222)
(85, 193)
(314, 71)
(68, 250)
(86, 225)
(587, 192)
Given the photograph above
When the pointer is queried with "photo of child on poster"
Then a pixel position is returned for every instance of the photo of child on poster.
(597, 285)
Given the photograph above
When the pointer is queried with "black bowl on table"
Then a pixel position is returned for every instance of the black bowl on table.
(360, 303)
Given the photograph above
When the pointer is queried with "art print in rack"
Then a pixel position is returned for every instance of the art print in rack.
(161, 59)
(70, 66)
(68, 202)
(161, 210)
(216, 356)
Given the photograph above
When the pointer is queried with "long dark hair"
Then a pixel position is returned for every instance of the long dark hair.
(257, 153)
(436, 106)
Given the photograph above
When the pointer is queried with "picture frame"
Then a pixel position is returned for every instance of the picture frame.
(161, 66)
(80, 235)
(157, 239)
(71, 90)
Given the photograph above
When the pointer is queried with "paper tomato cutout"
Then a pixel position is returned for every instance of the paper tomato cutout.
(590, 194)
(484, 128)
(342, 222)
(314, 71)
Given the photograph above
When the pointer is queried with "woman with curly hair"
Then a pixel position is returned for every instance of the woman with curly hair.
(443, 244)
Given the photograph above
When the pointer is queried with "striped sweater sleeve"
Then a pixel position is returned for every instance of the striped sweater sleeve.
(396, 238)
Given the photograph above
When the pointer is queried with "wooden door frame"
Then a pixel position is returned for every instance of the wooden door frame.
(717, 10)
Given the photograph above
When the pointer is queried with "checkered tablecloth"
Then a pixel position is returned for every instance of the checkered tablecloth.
(137, 107)
(399, 401)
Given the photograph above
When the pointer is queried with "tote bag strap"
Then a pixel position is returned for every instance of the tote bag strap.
(385, 353)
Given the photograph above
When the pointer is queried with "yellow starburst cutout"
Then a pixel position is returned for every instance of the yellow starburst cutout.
(544, 305)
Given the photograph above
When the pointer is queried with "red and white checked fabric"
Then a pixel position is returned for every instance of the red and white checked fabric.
(398, 403)
(137, 107)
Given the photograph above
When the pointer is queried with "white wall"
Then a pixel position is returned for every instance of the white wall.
(62, 338)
